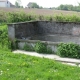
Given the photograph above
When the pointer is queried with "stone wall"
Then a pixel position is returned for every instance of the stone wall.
(28, 29)
(21, 30)
(66, 28)
(25, 30)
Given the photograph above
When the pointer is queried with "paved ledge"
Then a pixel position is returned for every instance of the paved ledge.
(69, 61)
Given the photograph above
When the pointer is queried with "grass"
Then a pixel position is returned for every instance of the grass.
(24, 67)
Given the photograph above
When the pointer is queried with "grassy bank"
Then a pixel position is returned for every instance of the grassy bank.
(23, 67)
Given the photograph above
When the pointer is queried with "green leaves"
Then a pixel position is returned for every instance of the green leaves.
(69, 50)
(21, 16)
(40, 47)
(3, 37)
(28, 47)
(67, 18)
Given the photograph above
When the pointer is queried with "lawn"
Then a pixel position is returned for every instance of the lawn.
(24, 67)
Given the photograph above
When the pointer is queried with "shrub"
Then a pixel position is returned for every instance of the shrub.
(11, 17)
(40, 47)
(28, 47)
(49, 50)
(69, 50)
(3, 17)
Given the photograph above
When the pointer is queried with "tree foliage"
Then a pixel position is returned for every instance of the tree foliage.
(18, 4)
(69, 7)
(33, 5)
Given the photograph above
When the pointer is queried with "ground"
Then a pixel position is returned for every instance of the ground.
(24, 67)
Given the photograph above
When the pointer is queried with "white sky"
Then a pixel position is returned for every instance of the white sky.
(48, 3)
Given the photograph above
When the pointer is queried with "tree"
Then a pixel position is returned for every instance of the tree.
(66, 7)
(18, 3)
(32, 5)
(63, 7)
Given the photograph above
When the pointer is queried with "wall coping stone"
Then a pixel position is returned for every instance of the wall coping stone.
(40, 21)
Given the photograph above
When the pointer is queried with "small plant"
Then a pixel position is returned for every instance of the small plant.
(49, 50)
(14, 44)
(28, 47)
(69, 50)
(40, 47)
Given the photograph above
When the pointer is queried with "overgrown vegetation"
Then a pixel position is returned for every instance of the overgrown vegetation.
(4, 42)
(23, 67)
(11, 17)
(28, 47)
(19, 17)
(40, 47)
(69, 50)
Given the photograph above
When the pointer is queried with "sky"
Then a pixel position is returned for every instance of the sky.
(48, 3)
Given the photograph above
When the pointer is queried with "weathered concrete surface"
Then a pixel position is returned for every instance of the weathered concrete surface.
(66, 28)
(25, 30)
(52, 45)
(57, 38)
(21, 30)
(29, 29)
(11, 32)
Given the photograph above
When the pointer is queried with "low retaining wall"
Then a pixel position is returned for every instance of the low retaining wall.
(52, 45)
(27, 29)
